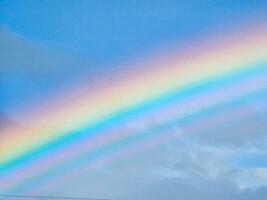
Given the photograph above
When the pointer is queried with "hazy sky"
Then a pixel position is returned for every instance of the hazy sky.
(48, 46)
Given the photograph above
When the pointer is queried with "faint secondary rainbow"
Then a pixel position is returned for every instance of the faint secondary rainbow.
(63, 119)
(226, 95)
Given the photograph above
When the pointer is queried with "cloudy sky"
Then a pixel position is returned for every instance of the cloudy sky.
(191, 144)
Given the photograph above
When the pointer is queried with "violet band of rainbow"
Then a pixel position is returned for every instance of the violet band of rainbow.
(61, 121)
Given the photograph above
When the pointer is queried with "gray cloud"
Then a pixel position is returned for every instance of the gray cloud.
(238, 127)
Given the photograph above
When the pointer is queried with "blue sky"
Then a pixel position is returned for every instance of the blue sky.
(47, 46)
(106, 30)
(83, 38)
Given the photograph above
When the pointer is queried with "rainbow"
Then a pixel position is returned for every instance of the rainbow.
(92, 120)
